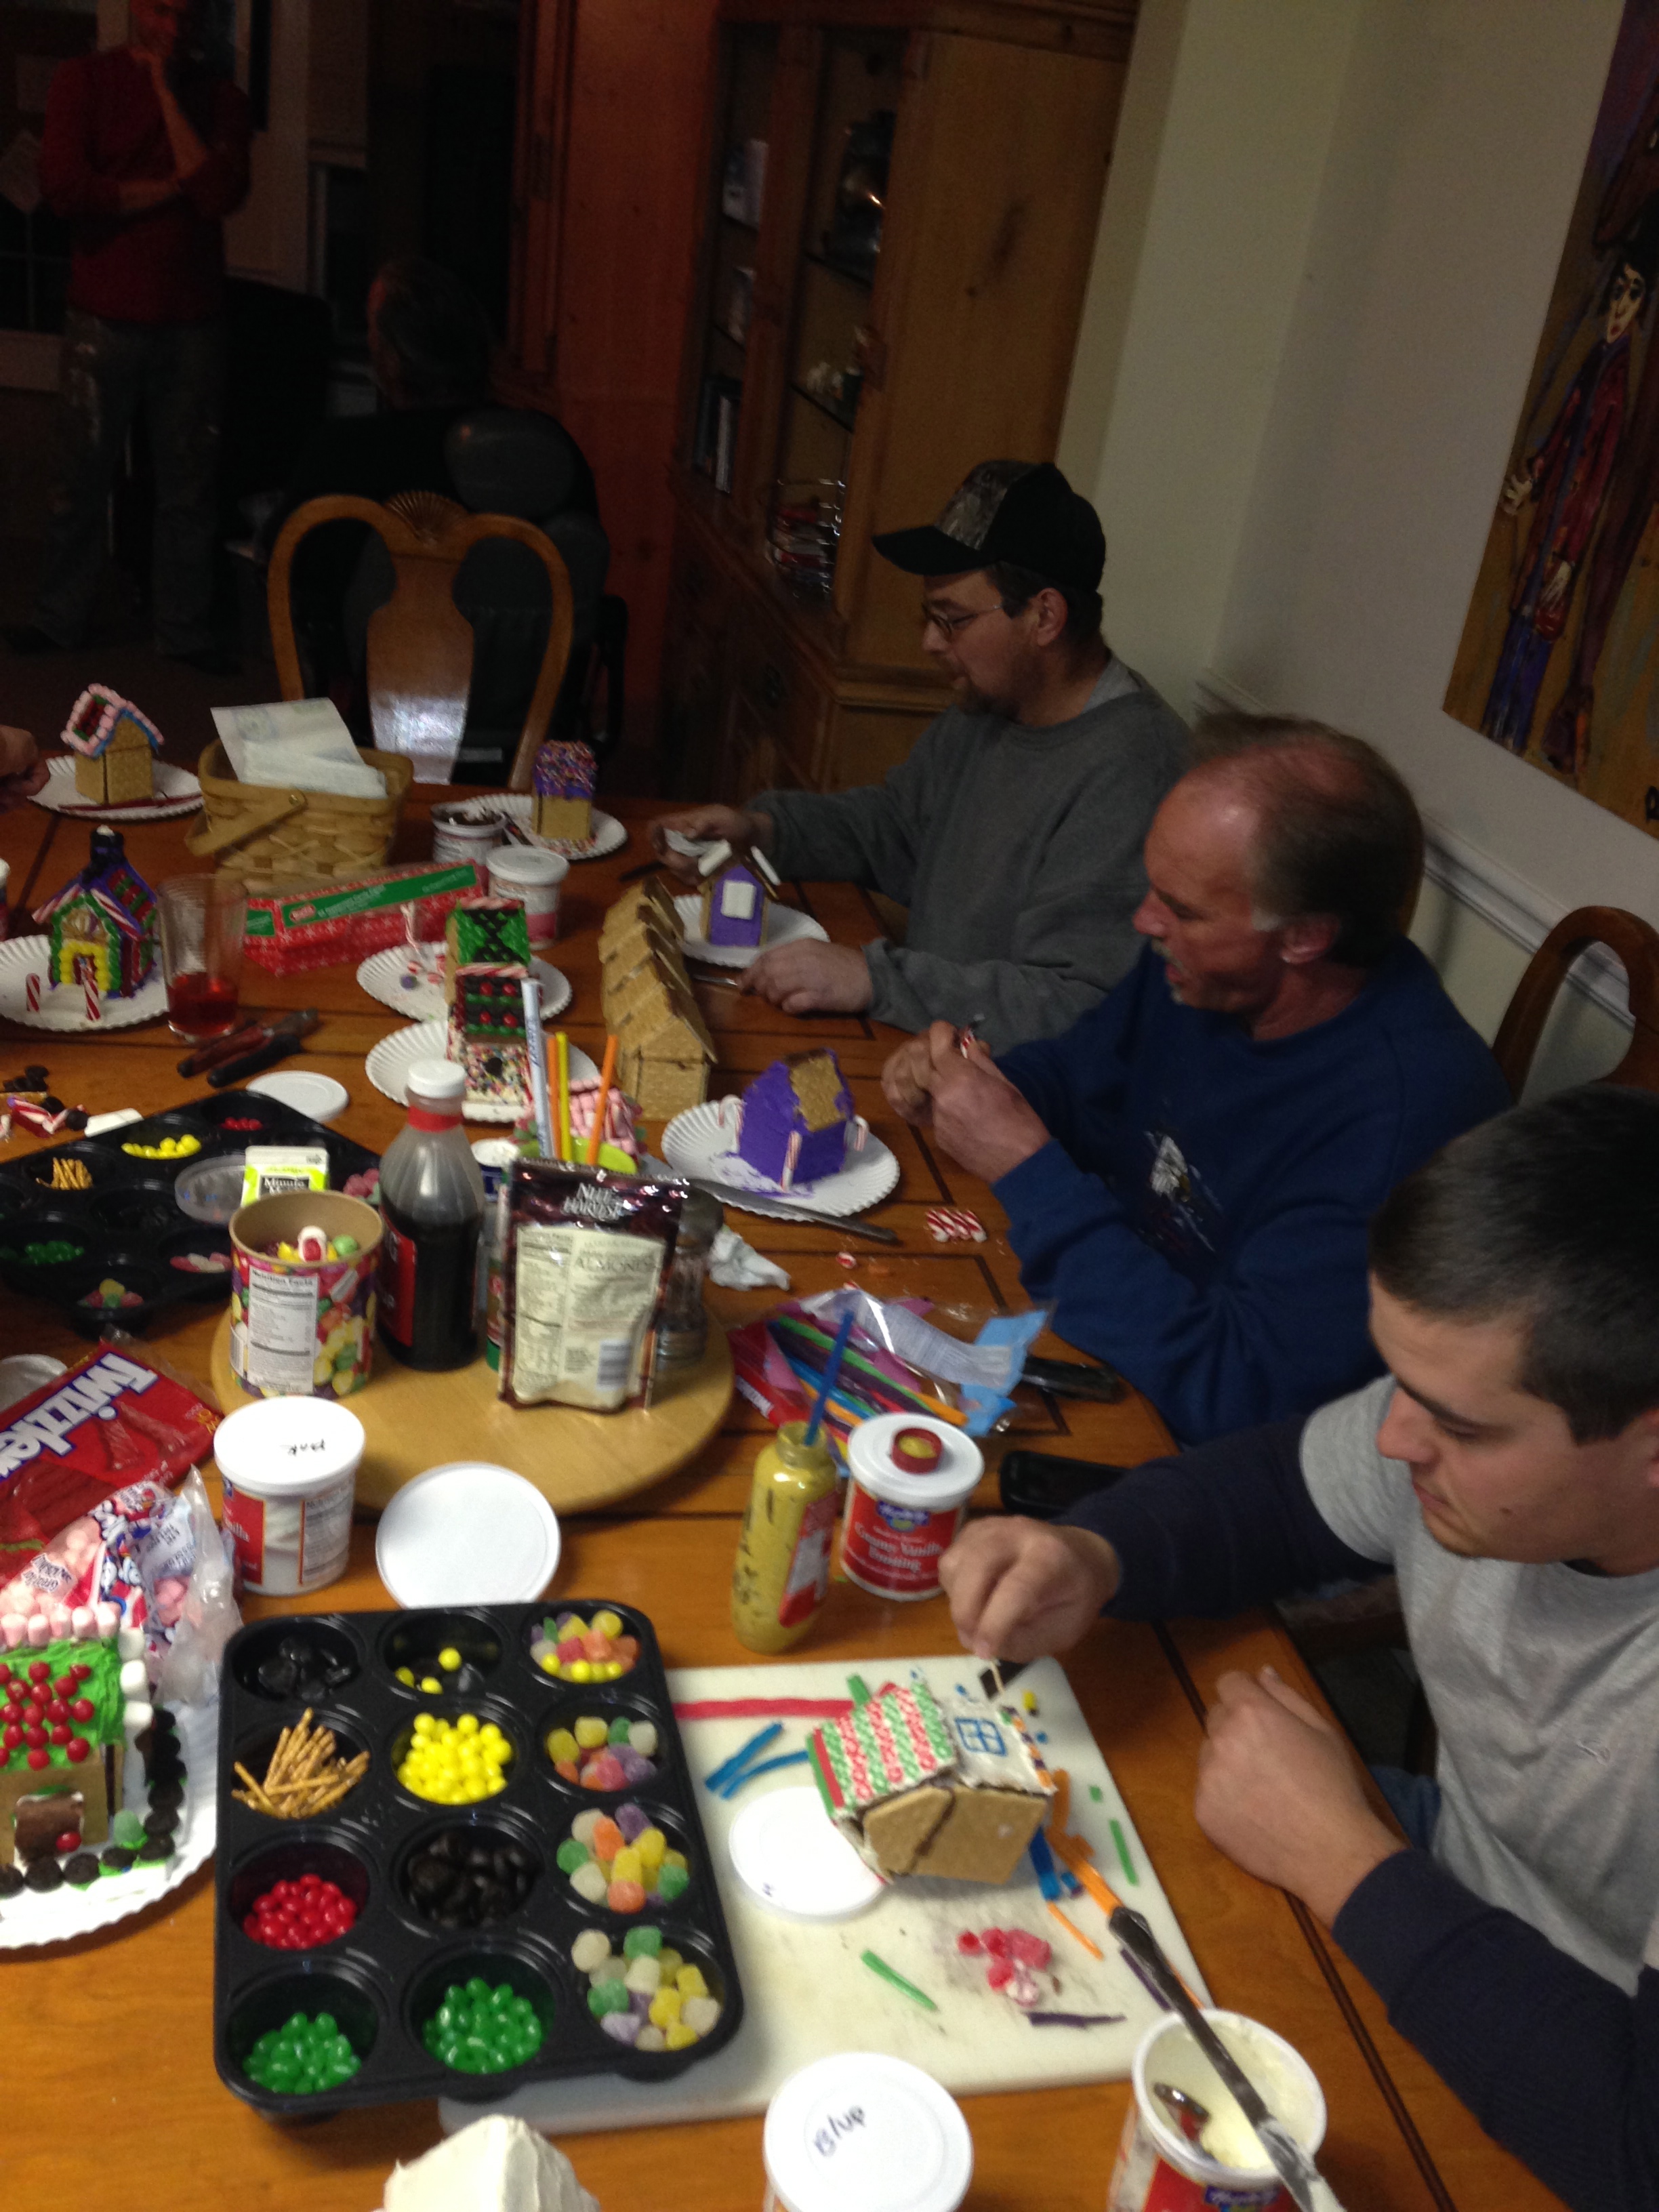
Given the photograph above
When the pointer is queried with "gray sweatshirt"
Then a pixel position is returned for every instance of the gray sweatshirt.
(1017, 850)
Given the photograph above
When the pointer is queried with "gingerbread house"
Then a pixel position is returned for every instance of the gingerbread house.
(114, 747)
(485, 931)
(101, 926)
(486, 1032)
(565, 772)
(796, 1123)
(737, 886)
(918, 1787)
(73, 1683)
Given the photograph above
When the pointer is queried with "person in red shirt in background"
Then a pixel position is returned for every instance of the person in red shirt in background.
(144, 156)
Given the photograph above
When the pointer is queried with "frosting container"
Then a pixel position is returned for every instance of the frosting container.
(1158, 2170)
(900, 1522)
(527, 873)
(861, 2132)
(290, 1466)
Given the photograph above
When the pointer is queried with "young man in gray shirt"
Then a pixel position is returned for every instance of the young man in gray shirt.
(1013, 830)
(1508, 1471)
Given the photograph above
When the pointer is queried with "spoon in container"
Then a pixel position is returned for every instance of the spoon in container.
(1186, 2115)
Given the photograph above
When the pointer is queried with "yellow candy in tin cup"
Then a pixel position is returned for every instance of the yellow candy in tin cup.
(1160, 2170)
(303, 1328)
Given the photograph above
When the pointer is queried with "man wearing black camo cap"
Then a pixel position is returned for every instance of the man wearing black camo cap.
(1013, 830)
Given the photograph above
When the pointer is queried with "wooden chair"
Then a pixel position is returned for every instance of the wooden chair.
(1636, 944)
(420, 644)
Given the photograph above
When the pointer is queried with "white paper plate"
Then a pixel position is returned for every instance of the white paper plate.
(66, 1913)
(785, 924)
(389, 976)
(65, 1008)
(790, 1854)
(697, 1143)
(305, 1090)
(467, 1533)
(177, 792)
(388, 1065)
(609, 836)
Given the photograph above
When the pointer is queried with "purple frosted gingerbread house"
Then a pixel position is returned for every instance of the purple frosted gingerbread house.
(796, 1121)
(736, 886)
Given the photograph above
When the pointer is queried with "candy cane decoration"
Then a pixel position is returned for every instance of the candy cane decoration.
(95, 1008)
(953, 1224)
(32, 991)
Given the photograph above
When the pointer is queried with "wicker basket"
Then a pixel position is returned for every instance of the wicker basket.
(271, 838)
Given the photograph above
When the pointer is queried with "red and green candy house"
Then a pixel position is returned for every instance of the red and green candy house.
(62, 1739)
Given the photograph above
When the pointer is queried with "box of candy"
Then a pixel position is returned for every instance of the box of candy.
(289, 932)
(458, 1852)
(94, 1225)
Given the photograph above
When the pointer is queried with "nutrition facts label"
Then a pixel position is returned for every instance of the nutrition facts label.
(282, 1331)
(583, 1300)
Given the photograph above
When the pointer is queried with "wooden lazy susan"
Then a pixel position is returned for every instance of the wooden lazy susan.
(577, 1461)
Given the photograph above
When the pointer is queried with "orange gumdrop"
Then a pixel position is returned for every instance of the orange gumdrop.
(596, 1644)
(626, 1648)
(625, 1897)
(606, 1840)
(568, 1768)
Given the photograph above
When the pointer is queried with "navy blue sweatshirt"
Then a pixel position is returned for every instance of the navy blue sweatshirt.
(1558, 2065)
(1199, 1218)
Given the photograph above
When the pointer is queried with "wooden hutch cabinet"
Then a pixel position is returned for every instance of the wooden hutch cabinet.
(899, 213)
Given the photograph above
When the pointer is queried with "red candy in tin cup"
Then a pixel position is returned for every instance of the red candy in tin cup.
(900, 1523)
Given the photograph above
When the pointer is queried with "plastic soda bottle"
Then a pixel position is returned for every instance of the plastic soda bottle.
(432, 1204)
(782, 1574)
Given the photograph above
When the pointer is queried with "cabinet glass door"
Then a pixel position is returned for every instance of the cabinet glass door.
(741, 198)
(846, 200)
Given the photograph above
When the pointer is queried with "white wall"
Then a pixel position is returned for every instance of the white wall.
(1417, 160)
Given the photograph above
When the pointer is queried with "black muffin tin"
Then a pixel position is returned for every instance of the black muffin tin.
(130, 1224)
(385, 1977)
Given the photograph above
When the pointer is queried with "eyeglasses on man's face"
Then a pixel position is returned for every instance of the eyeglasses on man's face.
(948, 625)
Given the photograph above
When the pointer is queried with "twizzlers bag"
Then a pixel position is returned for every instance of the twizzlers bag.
(84, 1461)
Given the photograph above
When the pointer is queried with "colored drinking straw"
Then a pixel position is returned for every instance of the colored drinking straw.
(537, 1044)
(831, 1370)
(607, 1076)
(562, 1049)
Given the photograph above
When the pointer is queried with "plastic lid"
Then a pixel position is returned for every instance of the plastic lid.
(303, 1089)
(790, 1854)
(869, 1454)
(467, 1533)
(439, 1080)
(289, 1446)
(528, 864)
(861, 2132)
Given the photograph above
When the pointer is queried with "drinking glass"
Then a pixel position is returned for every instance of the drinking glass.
(202, 919)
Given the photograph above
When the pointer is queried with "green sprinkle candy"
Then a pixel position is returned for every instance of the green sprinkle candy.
(641, 1942)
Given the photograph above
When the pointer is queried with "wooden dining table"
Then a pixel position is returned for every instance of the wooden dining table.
(110, 2084)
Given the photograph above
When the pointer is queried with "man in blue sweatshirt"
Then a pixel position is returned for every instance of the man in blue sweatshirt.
(1507, 1469)
(1188, 1171)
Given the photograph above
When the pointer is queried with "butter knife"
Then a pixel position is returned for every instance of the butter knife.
(1290, 2162)
(777, 1209)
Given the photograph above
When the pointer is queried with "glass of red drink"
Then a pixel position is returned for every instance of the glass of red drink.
(202, 919)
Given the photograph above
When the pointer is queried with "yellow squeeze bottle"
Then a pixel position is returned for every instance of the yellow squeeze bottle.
(781, 1574)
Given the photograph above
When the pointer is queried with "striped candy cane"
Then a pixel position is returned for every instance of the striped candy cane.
(94, 1005)
(31, 993)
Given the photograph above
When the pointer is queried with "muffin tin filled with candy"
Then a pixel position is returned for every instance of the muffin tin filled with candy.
(518, 1855)
(92, 1224)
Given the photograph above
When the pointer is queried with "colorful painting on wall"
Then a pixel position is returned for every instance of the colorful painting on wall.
(1559, 655)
